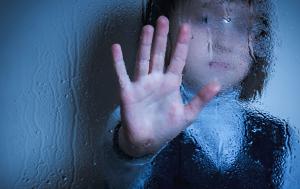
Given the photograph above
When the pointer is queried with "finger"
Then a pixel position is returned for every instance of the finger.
(193, 108)
(179, 56)
(160, 44)
(119, 66)
(143, 56)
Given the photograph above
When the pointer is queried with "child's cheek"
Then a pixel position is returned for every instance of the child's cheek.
(205, 51)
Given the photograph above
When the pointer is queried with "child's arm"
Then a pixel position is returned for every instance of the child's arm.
(118, 170)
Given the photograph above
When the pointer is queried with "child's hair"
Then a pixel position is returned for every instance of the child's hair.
(262, 15)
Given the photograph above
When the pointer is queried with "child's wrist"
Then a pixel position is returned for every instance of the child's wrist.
(127, 147)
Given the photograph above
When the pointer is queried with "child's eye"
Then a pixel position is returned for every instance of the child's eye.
(205, 19)
(201, 19)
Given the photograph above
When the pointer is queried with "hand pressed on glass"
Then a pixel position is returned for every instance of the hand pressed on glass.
(152, 110)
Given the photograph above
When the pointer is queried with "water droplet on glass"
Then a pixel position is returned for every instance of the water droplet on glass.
(254, 130)
(64, 178)
(226, 20)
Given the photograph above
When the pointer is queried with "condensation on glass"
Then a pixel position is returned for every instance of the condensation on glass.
(58, 86)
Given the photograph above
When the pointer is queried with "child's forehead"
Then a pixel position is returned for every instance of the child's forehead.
(238, 9)
(217, 2)
(216, 6)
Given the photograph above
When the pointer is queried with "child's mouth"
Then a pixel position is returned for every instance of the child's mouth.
(222, 66)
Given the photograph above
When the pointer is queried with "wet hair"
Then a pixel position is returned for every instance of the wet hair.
(262, 53)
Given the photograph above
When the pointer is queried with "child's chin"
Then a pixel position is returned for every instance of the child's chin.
(225, 80)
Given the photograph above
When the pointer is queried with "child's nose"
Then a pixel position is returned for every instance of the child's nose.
(221, 48)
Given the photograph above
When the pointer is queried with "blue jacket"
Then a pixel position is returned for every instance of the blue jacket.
(260, 164)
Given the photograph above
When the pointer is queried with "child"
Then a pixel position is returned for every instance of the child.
(184, 121)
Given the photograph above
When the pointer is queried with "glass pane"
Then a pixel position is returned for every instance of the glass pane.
(59, 89)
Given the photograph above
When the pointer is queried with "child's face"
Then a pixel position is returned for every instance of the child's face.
(219, 49)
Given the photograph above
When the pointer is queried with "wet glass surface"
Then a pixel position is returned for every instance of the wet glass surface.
(58, 88)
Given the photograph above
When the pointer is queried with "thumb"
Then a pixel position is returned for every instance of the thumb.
(193, 108)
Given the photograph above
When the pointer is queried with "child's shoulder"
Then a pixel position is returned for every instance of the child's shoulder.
(264, 123)
(261, 124)
(267, 135)
(261, 116)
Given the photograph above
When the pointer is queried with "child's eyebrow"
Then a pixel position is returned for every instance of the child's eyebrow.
(198, 7)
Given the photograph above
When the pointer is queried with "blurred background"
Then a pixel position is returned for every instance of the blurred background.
(58, 85)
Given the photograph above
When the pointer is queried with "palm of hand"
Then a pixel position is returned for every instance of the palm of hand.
(152, 104)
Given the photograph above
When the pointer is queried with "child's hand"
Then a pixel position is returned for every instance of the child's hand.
(152, 110)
